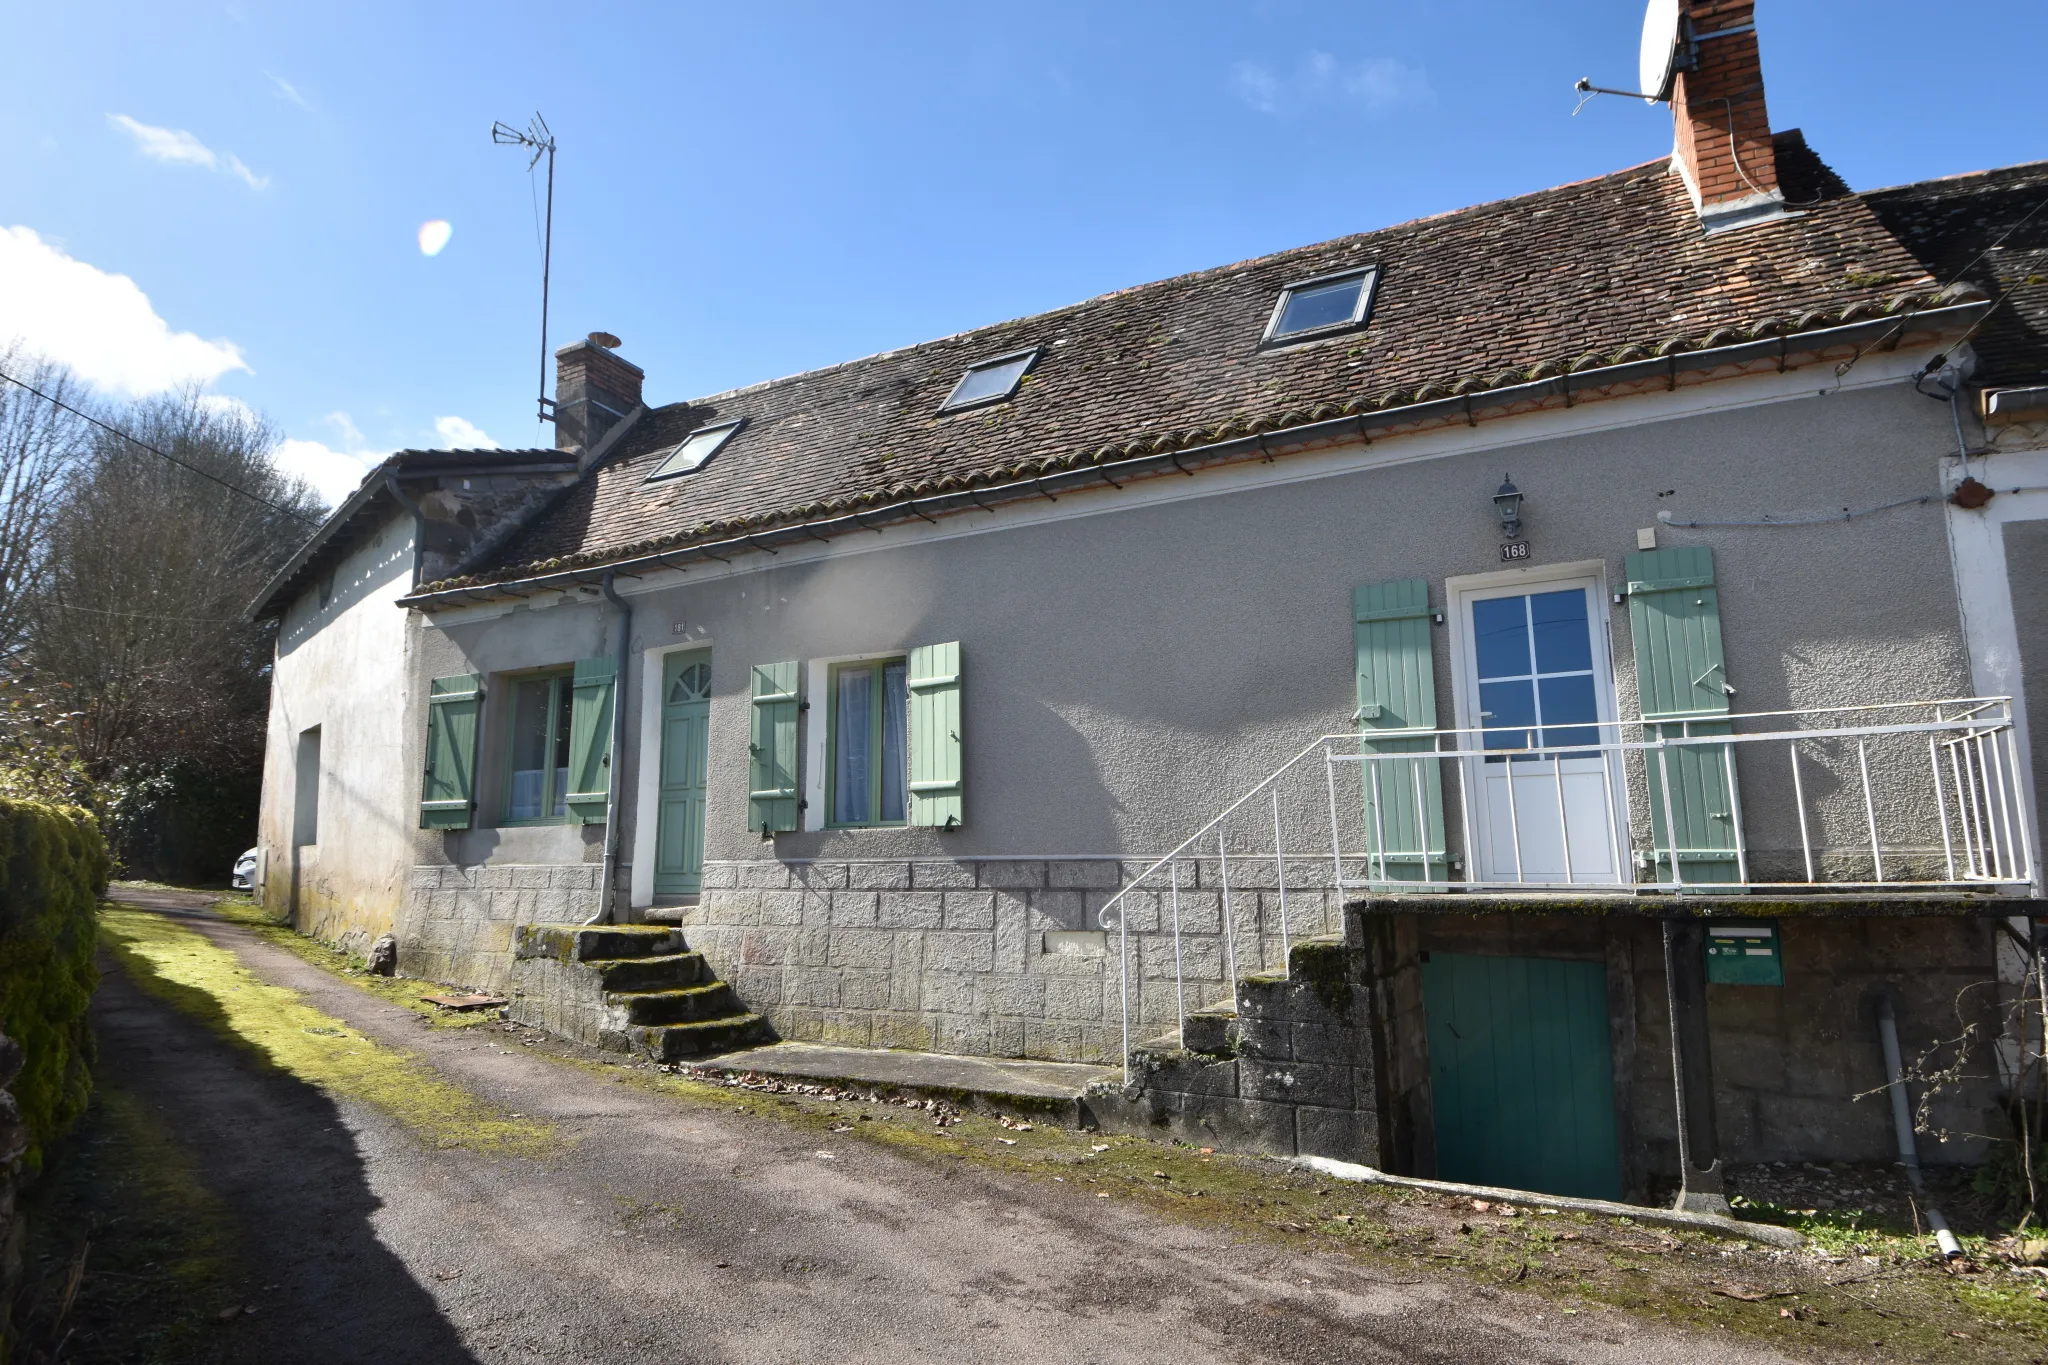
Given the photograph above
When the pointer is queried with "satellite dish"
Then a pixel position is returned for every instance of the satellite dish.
(1660, 49)
(604, 339)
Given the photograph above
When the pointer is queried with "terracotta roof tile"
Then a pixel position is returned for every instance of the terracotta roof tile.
(1584, 274)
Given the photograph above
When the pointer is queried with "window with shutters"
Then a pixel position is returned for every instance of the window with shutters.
(537, 768)
(868, 771)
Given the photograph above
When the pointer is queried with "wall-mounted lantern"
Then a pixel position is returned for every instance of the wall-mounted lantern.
(1509, 503)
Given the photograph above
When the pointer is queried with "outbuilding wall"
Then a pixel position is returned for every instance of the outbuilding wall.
(344, 667)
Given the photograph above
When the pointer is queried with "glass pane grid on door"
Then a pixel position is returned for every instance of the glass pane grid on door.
(1535, 671)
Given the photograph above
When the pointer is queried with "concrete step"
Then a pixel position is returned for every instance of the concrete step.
(579, 943)
(665, 972)
(1211, 1031)
(673, 1042)
(1032, 1089)
(684, 1005)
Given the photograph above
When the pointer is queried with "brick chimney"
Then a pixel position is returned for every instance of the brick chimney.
(594, 388)
(1732, 176)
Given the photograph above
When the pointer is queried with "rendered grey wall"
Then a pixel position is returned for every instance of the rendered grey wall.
(1127, 674)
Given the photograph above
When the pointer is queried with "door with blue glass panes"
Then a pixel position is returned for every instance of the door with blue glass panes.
(1545, 803)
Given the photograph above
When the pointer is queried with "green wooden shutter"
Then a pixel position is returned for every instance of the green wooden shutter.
(1397, 691)
(448, 792)
(935, 772)
(772, 793)
(1682, 686)
(590, 739)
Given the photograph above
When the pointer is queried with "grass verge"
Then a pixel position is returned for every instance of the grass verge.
(209, 983)
(238, 907)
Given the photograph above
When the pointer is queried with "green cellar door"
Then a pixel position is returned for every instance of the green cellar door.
(1522, 1079)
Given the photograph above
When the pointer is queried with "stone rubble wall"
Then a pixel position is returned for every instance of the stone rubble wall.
(1295, 1075)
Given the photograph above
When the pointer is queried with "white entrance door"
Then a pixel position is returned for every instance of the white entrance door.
(1537, 682)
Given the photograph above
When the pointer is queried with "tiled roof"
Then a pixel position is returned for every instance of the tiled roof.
(1952, 224)
(1614, 268)
(371, 502)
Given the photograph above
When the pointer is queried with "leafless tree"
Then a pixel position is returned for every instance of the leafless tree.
(150, 567)
(41, 449)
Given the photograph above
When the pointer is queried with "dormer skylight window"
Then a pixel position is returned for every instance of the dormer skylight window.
(696, 449)
(991, 381)
(1324, 306)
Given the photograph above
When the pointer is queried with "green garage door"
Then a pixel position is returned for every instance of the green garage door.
(1522, 1080)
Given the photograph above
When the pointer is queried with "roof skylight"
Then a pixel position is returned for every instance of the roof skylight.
(989, 382)
(1324, 305)
(696, 448)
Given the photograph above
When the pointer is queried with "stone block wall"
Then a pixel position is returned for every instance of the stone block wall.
(459, 922)
(996, 957)
(1297, 1076)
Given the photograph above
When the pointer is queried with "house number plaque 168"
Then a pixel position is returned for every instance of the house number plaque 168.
(1514, 550)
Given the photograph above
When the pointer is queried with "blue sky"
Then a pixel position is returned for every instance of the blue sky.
(749, 190)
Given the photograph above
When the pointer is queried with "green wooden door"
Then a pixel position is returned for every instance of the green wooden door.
(679, 819)
(1521, 1076)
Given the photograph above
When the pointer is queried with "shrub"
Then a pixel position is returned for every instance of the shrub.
(53, 867)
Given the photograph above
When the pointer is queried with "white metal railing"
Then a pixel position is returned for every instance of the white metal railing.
(1885, 798)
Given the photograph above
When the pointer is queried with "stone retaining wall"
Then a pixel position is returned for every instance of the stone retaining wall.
(1295, 1074)
(996, 957)
(458, 922)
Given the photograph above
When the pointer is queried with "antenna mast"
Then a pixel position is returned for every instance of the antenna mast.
(542, 142)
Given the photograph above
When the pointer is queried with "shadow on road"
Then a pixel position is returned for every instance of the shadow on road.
(274, 1217)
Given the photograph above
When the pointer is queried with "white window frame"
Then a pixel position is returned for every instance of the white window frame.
(817, 674)
(1459, 594)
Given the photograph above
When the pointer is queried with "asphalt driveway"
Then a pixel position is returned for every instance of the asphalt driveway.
(668, 1231)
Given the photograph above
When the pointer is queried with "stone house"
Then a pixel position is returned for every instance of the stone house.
(1595, 609)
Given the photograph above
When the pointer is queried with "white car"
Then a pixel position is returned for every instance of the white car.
(244, 876)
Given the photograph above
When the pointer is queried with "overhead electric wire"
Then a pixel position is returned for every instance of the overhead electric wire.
(165, 454)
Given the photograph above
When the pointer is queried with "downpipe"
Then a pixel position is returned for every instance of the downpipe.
(607, 891)
(1902, 1124)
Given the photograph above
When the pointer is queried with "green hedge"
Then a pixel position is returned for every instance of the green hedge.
(53, 867)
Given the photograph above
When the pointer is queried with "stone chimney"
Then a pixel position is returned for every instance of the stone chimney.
(1722, 146)
(594, 388)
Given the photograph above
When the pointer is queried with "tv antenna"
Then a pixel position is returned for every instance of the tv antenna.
(541, 141)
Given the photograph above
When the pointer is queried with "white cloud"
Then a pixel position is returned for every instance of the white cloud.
(288, 90)
(344, 424)
(333, 473)
(102, 326)
(1320, 80)
(176, 147)
(462, 434)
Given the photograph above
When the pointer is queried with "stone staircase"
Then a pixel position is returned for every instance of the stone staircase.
(1285, 1067)
(626, 988)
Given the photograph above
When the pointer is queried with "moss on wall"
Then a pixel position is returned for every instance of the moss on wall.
(53, 866)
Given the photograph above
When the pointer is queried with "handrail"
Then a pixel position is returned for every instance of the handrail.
(1969, 753)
